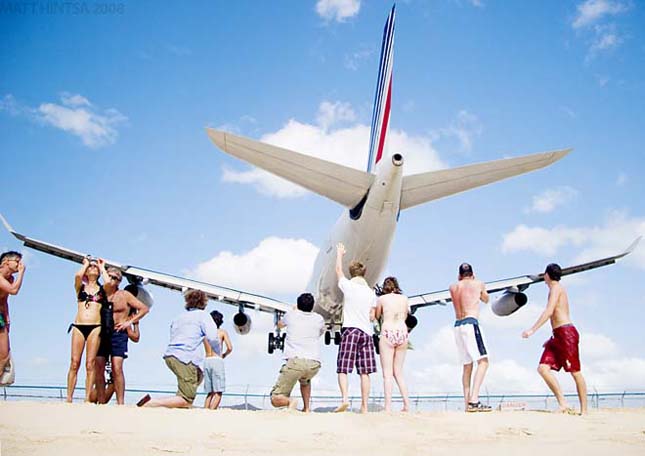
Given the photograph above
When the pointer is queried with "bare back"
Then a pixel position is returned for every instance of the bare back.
(560, 315)
(394, 309)
(466, 295)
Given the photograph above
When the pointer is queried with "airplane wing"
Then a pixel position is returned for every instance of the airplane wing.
(516, 284)
(424, 187)
(143, 276)
(339, 183)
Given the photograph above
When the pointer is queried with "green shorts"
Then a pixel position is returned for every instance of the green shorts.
(295, 369)
(188, 376)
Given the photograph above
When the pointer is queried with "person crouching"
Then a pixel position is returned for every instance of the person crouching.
(301, 353)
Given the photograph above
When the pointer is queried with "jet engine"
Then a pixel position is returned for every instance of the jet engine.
(242, 323)
(141, 294)
(509, 303)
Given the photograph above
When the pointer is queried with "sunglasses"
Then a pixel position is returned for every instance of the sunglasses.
(118, 279)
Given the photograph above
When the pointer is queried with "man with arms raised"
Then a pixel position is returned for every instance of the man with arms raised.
(127, 310)
(301, 352)
(10, 263)
(466, 294)
(356, 343)
(561, 350)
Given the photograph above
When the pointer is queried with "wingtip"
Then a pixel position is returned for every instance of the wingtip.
(6, 224)
(633, 245)
(218, 137)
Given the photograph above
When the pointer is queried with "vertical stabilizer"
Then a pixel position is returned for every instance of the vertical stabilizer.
(383, 96)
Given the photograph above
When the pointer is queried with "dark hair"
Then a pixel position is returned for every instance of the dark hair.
(196, 299)
(465, 270)
(356, 269)
(306, 302)
(10, 255)
(217, 317)
(391, 285)
(554, 270)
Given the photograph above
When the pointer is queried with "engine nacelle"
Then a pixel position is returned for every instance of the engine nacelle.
(141, 294)
(242, 323)
(509, 303)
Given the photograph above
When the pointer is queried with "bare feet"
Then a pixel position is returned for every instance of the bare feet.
(342, 407)
(363, 409)
(293, 404)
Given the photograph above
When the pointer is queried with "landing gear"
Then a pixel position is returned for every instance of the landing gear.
(337, 338)
(276, 342)
(376, 338)
(327, 337)
(276, 339)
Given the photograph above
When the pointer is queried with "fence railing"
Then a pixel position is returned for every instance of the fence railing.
(418, 402)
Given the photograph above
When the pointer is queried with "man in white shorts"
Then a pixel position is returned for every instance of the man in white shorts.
(466, 294)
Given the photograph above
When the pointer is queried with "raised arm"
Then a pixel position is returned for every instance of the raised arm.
(78, 277)
(340, 252)
(108, 285)
(554, 296)
(13, 287)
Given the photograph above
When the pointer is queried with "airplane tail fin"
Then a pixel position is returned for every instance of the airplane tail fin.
(420, 188)
(337, 182)
(383, 96)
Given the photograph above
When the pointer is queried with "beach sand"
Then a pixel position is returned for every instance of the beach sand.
(40, 428)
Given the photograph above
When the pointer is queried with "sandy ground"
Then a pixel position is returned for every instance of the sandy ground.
(37, 428)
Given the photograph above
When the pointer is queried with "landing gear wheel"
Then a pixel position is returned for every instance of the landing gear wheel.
(336, 338)
(282, 339)
(327, 337)
(271, 343)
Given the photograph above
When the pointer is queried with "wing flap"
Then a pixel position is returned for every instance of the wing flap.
(337, 182)
(424, 187)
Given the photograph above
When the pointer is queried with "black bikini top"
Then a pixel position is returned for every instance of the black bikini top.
(99, 297)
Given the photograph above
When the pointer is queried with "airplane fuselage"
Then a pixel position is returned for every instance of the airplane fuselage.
(366, 231)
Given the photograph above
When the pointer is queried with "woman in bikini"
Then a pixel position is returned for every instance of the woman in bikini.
(393, 308)
(86, 328)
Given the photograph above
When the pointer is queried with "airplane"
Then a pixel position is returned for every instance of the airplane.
(372, 201)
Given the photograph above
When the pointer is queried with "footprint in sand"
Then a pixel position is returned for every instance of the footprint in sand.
(511, 431)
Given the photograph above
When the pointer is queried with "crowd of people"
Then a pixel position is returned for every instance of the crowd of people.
(108, 317)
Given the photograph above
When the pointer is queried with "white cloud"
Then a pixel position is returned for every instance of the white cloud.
(337, 10)
(75, 115)
(592, 11)
(275, 266)
(330, 114)
(464, 129)
(477, 3)
(347, 146)
(548, 200)
(598, 241)
(597, 347)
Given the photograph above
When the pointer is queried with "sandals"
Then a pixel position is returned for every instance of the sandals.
(478, 407)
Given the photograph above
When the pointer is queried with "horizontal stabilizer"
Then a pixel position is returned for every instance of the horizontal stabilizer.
(424, 187)
(339, 183)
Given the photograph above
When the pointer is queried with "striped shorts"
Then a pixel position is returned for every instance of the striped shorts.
(470, 340)
(356, 348)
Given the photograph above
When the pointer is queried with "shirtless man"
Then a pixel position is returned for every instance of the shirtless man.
(561, 350)
(127, 311)
(10, 263)
(466, 294)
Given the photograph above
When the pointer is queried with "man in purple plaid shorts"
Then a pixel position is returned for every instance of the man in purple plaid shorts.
(356, 344)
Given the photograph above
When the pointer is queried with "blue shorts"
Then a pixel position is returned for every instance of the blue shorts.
(214, 375)
(114, 345)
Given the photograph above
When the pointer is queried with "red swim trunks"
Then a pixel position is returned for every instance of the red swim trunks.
(561, 350)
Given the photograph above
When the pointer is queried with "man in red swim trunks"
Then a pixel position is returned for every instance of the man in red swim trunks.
(561, 350)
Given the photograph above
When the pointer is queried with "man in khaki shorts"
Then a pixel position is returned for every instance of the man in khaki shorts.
(301, 353)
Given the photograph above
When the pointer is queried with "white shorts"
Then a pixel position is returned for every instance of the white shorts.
(471, 345)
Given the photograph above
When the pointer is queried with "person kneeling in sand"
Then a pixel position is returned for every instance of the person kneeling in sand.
(301, 353)
(185, 354)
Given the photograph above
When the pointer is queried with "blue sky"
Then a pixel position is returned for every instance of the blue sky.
(102, 122)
